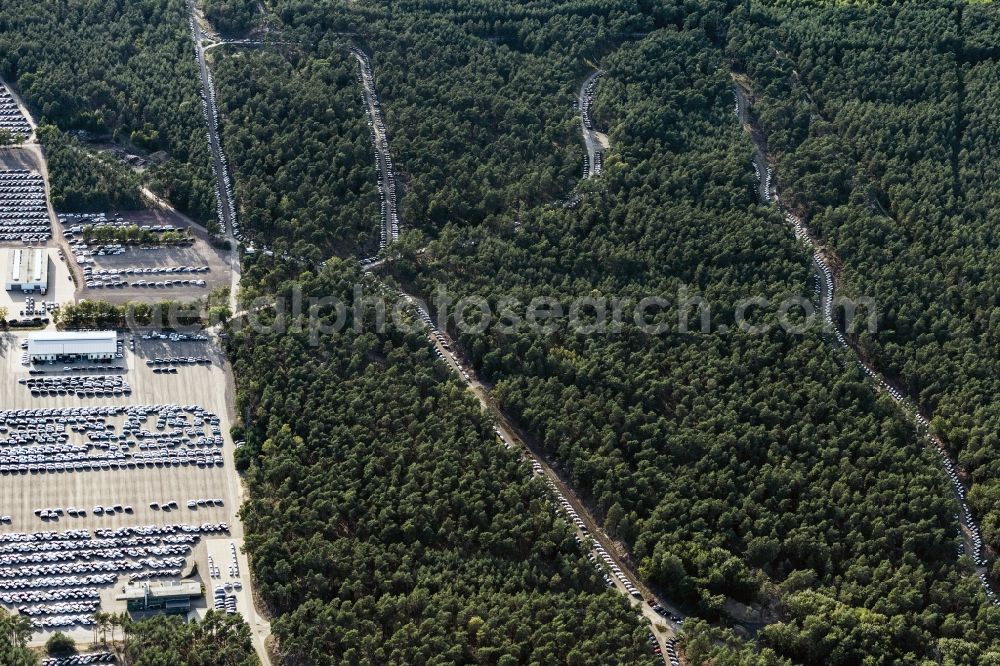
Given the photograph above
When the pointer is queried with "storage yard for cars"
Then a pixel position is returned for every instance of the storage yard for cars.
(24, 215)
(119, 273)
(11, 118)
(138, 486)
(115, 472)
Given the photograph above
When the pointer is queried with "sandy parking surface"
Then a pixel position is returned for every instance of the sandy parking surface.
(202, 385)
(60, 287)
(200, 253)
(12, 157)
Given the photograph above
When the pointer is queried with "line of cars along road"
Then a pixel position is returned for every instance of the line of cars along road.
(377, 131)
(210, 109)
(81, 659)
(607, 566)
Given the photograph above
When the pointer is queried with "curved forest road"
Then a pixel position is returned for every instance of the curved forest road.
(604, 553)
(606, 558)
(664, 625)
(968, 528)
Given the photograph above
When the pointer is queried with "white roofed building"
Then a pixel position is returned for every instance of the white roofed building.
(27, 270)
(59, 345)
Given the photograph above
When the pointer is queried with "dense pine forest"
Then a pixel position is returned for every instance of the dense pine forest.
(122, 71)
(388, 525)
(157, 641)
(85, 181)
(886, 148)
(747, 470)
(296, 126)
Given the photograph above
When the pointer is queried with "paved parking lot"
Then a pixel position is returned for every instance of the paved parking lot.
(234, 582)
(203, 385)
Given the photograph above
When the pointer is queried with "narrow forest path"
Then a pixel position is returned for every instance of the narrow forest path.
(589, 531)
(663, 627)
(389, 212)
(968, 528)
(593, 141)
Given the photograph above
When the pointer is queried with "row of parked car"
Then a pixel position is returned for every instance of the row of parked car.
(224, 601)
(203, 503)
(174, 336)
(61, 608)
(144, 270)
(45, 596)
(117, 282)
(80, 659)
(671, 656)
(24, 214)
(178, 360)
(588, 102)
(599, 555)
(210, 109)
(383, 160)
(75, 223)
(766, 179)
(82, 387)
(11, 118)
(826, 289)
(95, 562)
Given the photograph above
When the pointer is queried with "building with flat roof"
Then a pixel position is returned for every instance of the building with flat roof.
(171, 597)
(27, 270)
(63, 345)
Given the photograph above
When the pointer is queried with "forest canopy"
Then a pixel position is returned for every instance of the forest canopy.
(755, 480)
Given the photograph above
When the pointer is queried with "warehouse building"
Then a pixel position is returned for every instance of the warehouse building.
(170, 597)
(72, 345)
(27, 270)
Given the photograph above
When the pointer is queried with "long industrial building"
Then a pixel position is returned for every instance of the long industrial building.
(58, 345)
(27, 270)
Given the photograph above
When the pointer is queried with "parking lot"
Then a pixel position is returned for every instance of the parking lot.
(11, 118)
(228, 571)
(128, 491)
(24, 215)
(60, 289)
(131, 273)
